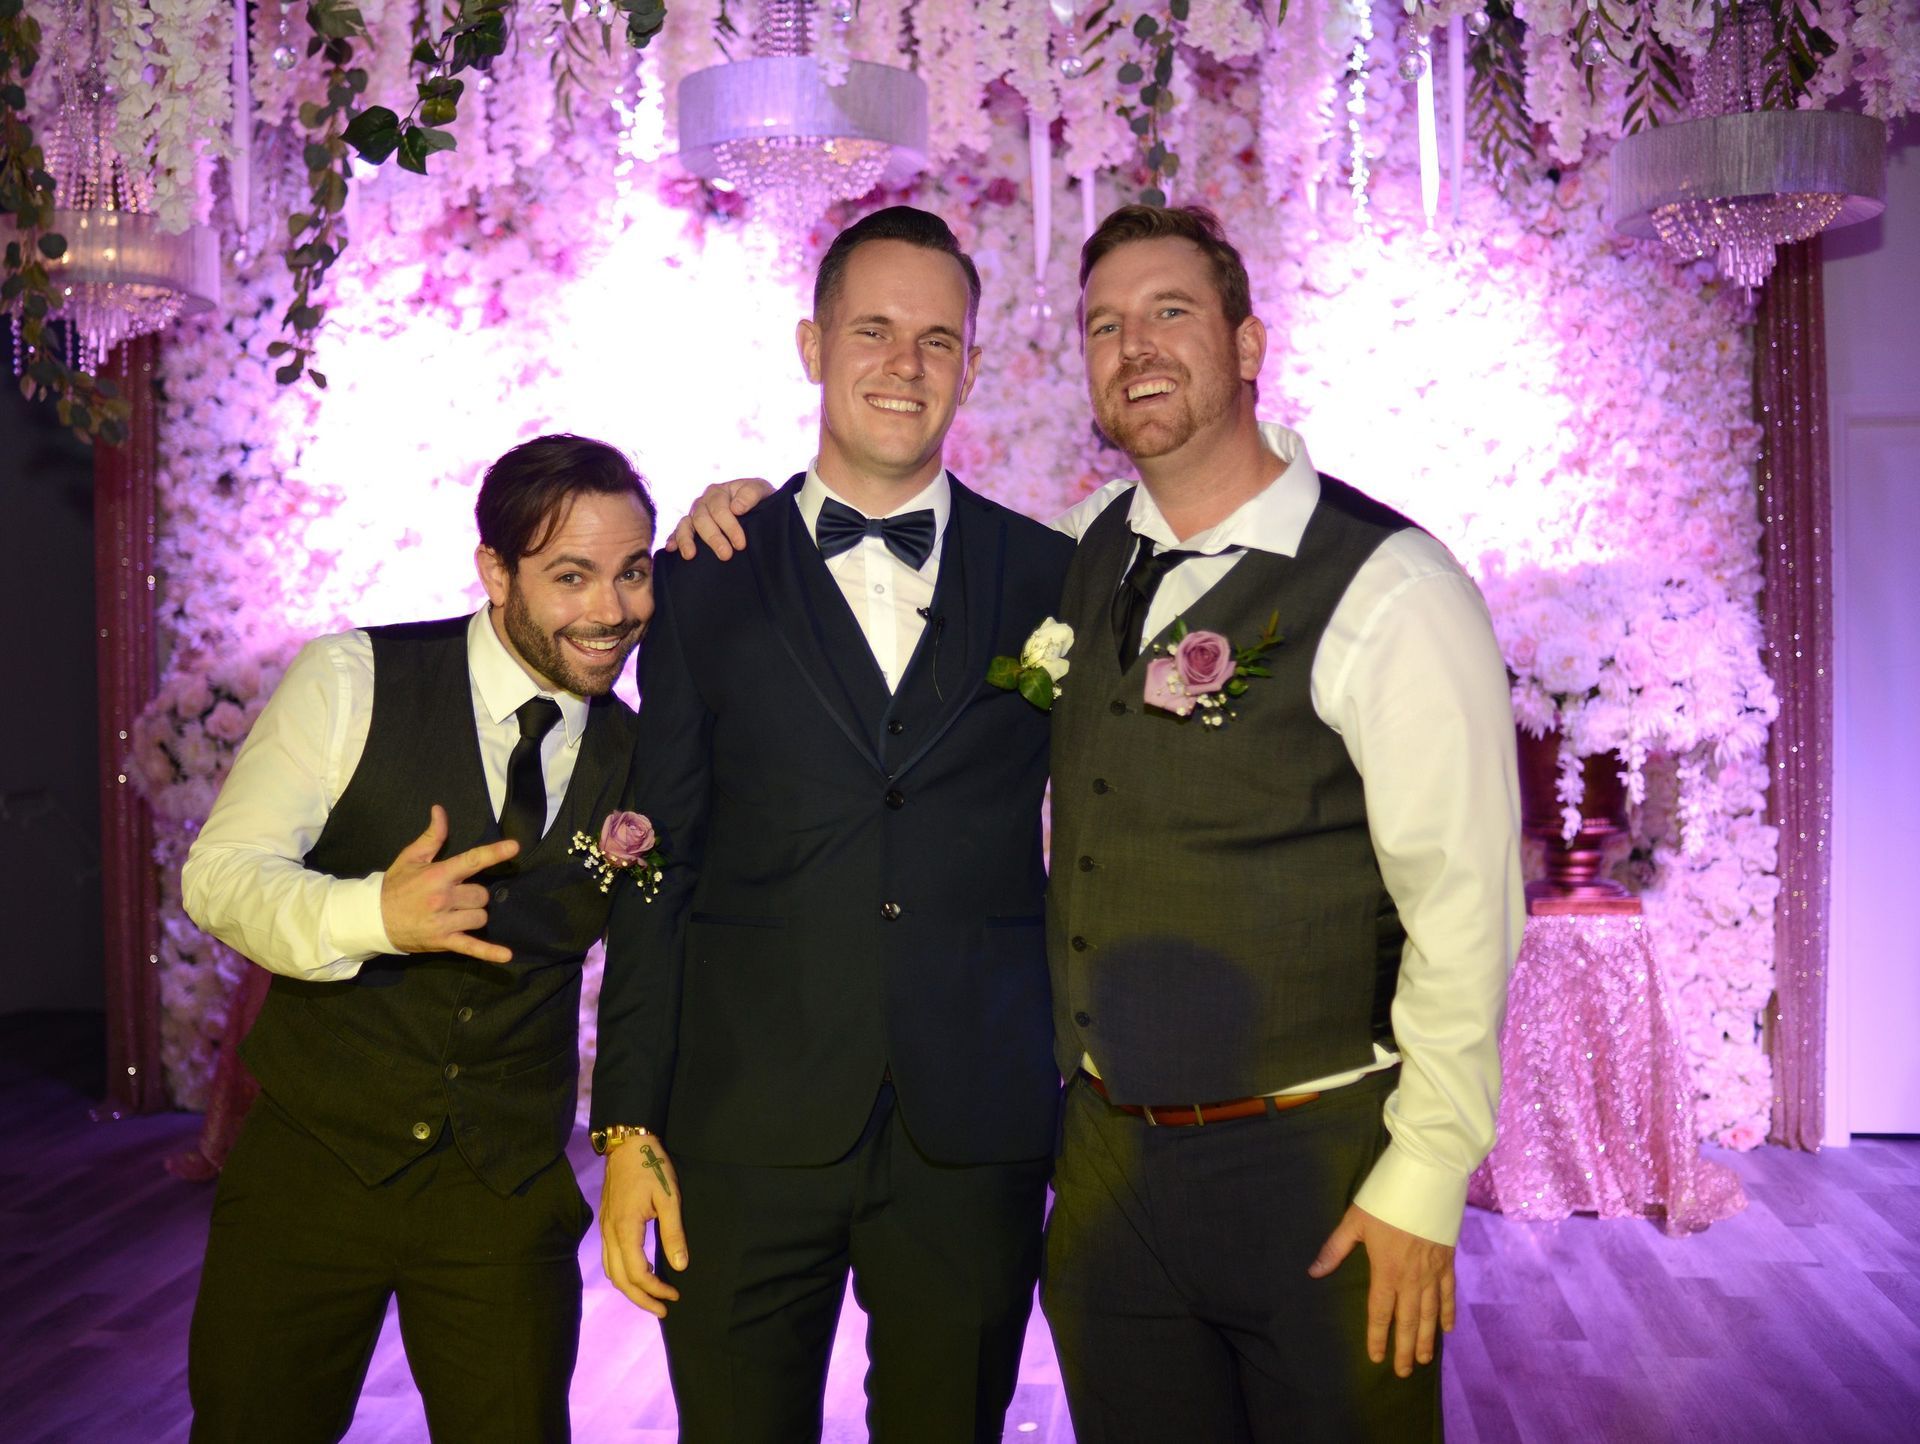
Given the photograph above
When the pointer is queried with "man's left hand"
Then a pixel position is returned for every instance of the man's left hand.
(1411, 1287)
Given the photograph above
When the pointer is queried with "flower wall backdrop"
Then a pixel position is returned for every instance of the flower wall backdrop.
(1568, 411)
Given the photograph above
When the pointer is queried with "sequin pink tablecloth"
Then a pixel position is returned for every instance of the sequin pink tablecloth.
(1596, 1107)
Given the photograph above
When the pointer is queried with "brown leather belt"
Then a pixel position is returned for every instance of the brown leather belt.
(1191, 1113)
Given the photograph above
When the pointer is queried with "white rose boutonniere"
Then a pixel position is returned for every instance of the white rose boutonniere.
(1042, 665)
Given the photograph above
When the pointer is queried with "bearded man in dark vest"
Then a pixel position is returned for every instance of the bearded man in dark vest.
(1285, 898)
(393, 844)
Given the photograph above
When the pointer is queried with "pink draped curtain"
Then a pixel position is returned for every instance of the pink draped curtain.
(1790, 394)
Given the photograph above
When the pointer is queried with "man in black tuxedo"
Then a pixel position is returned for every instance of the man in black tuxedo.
(836, 1010)
(417, 1053)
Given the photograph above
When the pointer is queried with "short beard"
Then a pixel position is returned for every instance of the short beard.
(1200, 408)
(542, 651)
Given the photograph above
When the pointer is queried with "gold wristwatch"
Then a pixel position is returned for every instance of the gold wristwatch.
(605, 1140)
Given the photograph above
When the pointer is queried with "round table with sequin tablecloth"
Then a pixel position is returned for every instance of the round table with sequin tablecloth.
(1596, 1106)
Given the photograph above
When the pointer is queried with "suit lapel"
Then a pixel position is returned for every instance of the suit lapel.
(810, 616)
(958, 641)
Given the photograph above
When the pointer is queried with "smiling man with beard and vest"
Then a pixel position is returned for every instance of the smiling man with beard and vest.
(1283, 903)
(1285, 898)
(418, 1050)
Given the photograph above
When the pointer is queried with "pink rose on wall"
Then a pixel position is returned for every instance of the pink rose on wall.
(227, 722)
(626, 838)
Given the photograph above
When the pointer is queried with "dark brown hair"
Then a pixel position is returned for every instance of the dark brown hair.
(896, 223)
(1186, 223)
(527, 491)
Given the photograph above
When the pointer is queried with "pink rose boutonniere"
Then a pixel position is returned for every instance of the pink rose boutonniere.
(627, 844)
(1204, 672)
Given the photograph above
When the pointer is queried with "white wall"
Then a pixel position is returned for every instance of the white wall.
(1872, 278)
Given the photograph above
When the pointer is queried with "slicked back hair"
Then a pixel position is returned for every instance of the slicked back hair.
(895, 223)
(527, 492)
(1186, 223)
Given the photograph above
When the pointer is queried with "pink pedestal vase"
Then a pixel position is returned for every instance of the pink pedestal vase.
(1596, 1107)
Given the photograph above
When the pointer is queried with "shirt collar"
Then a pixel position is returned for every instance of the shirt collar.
(503, 685)
(936, 496)
(1272, 520)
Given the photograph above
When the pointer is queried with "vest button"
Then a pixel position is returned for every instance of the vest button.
(1081, 1019)
(1079, 944)
(896, 727)
(1086, 864)
(895, 798)
(465, 1015)
(422, 1132)
(1099, 784)
(1117, 707)
(890, 911)
(452, 1070)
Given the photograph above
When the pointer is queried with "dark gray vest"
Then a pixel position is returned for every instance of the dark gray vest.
(1217, 924)
(376, 1065)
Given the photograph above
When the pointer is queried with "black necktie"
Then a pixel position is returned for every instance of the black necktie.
(1135, 597)
(524, 817)
(909, 537)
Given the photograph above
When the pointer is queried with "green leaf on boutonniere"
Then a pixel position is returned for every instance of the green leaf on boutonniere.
(1004, 672)
(1179, 631)
(1236, 686)
(1037, 687)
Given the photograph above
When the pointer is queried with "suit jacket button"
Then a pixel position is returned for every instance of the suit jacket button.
(500, 892)
(890, 910)
(451, 1071)
(1099, 784)
(422, 1132)
(465, 1015)
(1079, 944)
(896, 799)
(1086, 864)
(1117, 707)
(1081, 1019)
(896, 727)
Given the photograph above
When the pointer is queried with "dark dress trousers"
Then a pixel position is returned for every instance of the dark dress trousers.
(407, 1141)
(836, 1012)
(1219, 930)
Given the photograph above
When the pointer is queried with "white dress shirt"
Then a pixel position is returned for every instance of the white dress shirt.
(889, 598)
(1410, 676)
(244, 880)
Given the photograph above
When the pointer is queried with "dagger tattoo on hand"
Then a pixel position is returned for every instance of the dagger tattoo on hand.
(659, 1166)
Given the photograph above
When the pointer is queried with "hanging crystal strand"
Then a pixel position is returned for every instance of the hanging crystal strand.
(1040, 177)
(1361, 173)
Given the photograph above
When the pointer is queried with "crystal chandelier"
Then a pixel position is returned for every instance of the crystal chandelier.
(121, 276)
(1735, 180)
(775, 129)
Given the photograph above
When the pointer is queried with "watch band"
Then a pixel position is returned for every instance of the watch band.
(605, 1140)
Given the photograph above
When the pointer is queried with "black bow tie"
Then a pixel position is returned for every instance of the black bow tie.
(909, 537)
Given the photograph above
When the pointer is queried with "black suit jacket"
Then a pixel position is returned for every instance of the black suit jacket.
(854, 881)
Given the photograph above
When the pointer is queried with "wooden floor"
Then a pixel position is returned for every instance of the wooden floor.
(1797, 1320)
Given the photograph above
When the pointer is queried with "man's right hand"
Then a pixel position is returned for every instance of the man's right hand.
(430, 907)
(715, 516)
(640, 1184)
